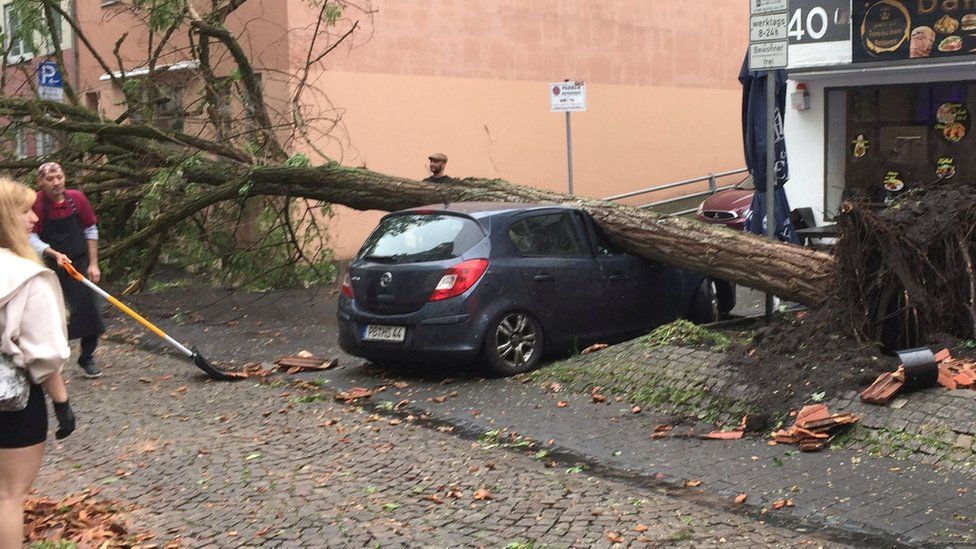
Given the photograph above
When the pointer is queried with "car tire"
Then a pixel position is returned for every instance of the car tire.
(705, 303)
(726, 297)
(513, 344)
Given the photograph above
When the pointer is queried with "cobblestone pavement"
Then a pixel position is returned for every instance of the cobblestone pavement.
(883, 500)
(274, 465)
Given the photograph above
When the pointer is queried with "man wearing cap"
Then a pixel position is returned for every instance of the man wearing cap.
(66, 230)
(438, 161)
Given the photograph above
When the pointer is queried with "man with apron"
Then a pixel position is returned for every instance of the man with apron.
(66, 230)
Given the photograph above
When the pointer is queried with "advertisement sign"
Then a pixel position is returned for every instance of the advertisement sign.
(889, 30)
(819, 33)
(567, 96)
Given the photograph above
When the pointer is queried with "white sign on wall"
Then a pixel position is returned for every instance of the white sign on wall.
(766, 6)
(767, 56)
(567, 96)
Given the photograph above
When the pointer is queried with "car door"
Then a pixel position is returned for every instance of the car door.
(558, 272)
(643, 293)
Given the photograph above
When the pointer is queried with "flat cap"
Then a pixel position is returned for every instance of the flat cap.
(438, 156)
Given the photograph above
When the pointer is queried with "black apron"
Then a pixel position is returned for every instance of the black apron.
(66, 236)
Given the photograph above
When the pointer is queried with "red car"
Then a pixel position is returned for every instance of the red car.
(728, 207)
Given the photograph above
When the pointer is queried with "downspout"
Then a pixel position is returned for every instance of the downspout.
(74, 49)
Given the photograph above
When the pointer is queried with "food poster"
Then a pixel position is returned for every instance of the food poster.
(920, 131)
(913, 29)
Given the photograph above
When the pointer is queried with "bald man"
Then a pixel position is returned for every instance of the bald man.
(67, 230)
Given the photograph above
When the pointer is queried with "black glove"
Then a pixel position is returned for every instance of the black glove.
(66, 419)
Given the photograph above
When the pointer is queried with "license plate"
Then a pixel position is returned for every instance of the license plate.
(375, 332)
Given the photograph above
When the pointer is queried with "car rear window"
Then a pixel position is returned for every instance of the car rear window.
(412, 238)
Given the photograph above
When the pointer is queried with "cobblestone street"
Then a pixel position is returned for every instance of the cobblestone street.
(246, 464)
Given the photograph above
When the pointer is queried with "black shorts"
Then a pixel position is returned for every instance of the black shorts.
(28, 426)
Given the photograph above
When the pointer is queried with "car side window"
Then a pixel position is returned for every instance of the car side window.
(603, 245)
(547, 235)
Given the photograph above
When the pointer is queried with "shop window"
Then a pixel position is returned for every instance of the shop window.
(895, 138)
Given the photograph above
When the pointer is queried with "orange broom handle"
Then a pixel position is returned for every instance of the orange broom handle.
(67, 266)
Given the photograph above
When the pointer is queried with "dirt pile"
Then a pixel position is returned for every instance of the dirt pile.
(807, 356)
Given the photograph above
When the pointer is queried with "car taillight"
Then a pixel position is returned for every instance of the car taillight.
(347, 286)
(459, 279)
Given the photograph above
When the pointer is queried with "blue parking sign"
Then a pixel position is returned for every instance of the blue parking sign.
(48, 75)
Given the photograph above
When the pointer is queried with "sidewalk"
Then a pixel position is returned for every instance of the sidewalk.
(847, 495)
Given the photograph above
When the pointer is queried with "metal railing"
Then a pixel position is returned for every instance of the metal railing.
(713, 187)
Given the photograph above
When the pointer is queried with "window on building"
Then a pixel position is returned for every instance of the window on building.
(20, 143)
(17, 47)
(885, 140)
(46, 144)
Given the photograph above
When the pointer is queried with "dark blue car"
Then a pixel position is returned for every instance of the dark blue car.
(504, 283)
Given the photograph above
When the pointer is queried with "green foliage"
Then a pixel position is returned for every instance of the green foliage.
(298, 160)
(53, 544)
(161, 14)
(683, 332)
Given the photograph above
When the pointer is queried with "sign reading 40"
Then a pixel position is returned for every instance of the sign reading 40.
(819, 21)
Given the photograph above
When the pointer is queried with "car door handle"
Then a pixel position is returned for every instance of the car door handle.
(543, 277)
(616, 277)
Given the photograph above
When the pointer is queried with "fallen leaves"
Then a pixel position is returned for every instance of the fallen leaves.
(594, 348)
(693, 483)
(304, 363)
(81, 519)
(482, 494)
(614, 537)
(562, 404)
(354, 393)
(780, 503)
(740, 499)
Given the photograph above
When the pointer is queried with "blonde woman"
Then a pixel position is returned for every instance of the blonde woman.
(33, 337)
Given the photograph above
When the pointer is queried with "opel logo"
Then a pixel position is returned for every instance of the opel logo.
(386, 279)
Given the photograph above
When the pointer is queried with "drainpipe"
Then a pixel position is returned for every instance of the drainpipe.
(75, 54)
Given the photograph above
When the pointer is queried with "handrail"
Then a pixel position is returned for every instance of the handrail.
(710, 178)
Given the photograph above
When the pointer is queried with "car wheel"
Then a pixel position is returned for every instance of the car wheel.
(513, 344)
(704, 305)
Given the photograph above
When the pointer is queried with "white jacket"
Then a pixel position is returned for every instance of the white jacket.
(33, 329)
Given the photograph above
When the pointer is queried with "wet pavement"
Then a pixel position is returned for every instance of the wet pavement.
(842, 496)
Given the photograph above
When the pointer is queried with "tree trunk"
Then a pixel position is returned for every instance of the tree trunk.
(791, 272)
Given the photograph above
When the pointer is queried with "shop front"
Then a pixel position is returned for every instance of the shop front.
(883, 92)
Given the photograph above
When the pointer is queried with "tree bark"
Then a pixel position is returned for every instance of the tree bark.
(791, 272)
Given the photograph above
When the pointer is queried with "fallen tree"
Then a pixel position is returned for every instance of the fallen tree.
(154, 184)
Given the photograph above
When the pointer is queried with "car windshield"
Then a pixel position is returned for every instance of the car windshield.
(414, 238)
(746, 184)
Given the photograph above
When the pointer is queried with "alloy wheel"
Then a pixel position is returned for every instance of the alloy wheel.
(516, 340)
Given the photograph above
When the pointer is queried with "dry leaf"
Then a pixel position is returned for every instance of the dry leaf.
(439, 399)
(779, 504)
(614, 537)
(598, 398)
(635, 410)
(482, 494)
(741, 498)
(693, 483)
(562, 404)
(401, 384)
(354, 393)
(593, 348)
(641, 528)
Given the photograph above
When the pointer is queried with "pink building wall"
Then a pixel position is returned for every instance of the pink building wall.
(470, 78)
